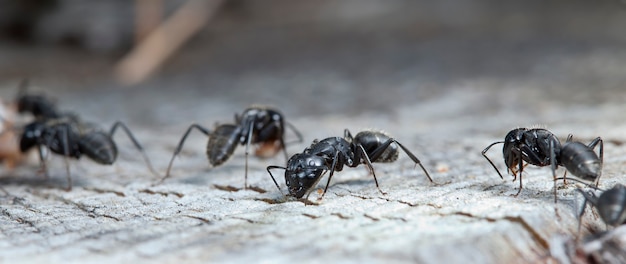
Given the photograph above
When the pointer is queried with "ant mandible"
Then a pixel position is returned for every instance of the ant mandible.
(541, 148)
(304, 170)
(260, 125)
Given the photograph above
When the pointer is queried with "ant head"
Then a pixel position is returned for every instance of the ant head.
(303, 172)
(514, 136)
(31, 135)
(512, 140)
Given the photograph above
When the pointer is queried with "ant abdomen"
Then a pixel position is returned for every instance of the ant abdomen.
(581, 160)
(99, 147)
(222, 144)
(372, 140)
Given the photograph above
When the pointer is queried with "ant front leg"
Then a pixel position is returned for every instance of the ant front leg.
(135, 142)
(180, 147)
(330, 176)
(520, 169)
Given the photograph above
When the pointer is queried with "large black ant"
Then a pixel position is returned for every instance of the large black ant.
(304, 170)
(263, 126)
(70, 137)
(65, 134)
(540, 147)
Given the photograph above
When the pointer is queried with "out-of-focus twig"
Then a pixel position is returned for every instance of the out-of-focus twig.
(149, 14)
(168, 37)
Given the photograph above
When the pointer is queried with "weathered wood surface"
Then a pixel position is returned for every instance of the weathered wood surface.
(200, 214)
(444, 78)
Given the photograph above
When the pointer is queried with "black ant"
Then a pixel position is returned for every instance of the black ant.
(69, 137)
(259, 125)
(611, 204)
(41, 107)
(540, 147)
(304, 170)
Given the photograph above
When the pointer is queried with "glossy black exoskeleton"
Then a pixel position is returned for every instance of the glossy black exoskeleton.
(535, 146)
(69, 137)
(541, 148)
(257, 125)
(580, 159)
(611, 204)
(304, 170)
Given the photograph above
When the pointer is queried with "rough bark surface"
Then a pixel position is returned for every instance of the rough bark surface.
(444, 89)
(202, 214)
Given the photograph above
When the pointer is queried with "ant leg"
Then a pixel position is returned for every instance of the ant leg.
(363, 155)
(332, 171)
(379, 151)
(180, 147)
(553, 166)
(520, 170)
(66, 153)
(485, 155)
(414, 158)
(276, 183)
(135, 142)
(42, 161)
(592, 145)
(295, 131)
(284, 148)
(248, 140)
(588, 197)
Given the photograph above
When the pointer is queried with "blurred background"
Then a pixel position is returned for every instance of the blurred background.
(445, 77)
(156, 58)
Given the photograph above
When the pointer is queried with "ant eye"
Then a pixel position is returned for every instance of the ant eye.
(311, 163)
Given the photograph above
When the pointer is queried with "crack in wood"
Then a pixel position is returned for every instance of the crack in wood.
(98, 190)
(437, 206)
(269, 201)
(148, 191)
(204, 220)
(311, 216)
(90, 211)
(341, 216)
(375, 219)
(244, 219)
(21, 220)
(230, 188)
